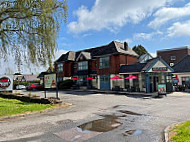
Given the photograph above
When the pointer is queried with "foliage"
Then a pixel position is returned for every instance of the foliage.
(183, 132)
(140, 50)
(66, 84)
(13, 106)
(15, 83)
(30, 27)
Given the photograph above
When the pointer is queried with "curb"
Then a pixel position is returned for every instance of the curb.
(31, 113)
(166, 130)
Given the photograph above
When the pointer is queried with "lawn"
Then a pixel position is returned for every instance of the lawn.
(12, 106)
(182, 132)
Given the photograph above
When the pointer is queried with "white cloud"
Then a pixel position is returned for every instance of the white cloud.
(128, 40)
(179, 29)
(169, 13)
(9, 66)
(146, 36)
(154, 55)
(113, 14)
(58, 53)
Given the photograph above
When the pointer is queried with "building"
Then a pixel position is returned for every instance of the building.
(26, 78)
(182, 72)
(150, 74)
(101, 63)
(174, 56)
(144, 58)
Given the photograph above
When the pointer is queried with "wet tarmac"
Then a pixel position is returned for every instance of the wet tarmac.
(133, 132)
(91, 129)
(108, 123)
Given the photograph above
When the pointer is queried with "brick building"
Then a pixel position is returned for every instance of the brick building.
(175, 55)
(101, 63)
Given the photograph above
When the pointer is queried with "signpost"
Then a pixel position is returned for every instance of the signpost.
(6, 82)
(50, 82)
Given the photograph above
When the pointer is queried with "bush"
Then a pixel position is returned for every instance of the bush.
(66, 84)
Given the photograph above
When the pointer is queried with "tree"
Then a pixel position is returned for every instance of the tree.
(30, 28)
(140, 50)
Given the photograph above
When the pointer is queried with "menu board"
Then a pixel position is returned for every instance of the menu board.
(50, 81)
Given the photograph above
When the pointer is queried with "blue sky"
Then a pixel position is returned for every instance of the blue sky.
(156, 24)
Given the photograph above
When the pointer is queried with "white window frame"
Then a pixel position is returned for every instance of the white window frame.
(83, 65)
(104, 62)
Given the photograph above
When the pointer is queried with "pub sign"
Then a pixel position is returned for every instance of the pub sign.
(6, 82)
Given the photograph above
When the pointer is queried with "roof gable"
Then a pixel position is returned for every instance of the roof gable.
(156, 65)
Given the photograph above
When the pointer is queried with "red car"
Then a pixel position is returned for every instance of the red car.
(34, 87)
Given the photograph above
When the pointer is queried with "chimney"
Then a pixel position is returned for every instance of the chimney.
(126, 46)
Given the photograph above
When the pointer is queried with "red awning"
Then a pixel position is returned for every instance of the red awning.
(116, 77)
(75, 78)
(89, 78)
(132, 77)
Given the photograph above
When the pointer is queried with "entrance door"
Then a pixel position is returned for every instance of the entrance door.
(105, 82)
(155, 83)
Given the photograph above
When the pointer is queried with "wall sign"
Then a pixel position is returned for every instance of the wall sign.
(6, 82)
(50, 81)
(160, 69)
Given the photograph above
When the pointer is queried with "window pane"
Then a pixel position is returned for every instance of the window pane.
(104, 62)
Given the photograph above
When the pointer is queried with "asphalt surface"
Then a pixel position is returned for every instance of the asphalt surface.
(134, 119)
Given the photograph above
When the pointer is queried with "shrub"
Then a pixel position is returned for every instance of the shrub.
(66, 84)
(15, 83)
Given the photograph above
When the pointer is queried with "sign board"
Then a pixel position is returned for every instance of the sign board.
(50, 81)
(162, 89)
(6, 82)
(160, 69)
(176, 81)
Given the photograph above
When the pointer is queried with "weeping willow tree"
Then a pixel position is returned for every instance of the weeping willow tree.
(30, 28)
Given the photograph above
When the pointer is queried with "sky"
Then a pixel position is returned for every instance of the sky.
(155, 24)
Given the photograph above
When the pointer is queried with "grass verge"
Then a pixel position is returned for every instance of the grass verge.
(10, 107)
(181, 132)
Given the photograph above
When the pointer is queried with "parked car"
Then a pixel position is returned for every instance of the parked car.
(34, 87)
(20, 87)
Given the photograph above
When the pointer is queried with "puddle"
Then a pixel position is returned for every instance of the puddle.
(129, 112)
(90, 129)
(133, 132)
(108, 123)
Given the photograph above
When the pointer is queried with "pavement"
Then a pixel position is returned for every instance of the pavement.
(130, 119)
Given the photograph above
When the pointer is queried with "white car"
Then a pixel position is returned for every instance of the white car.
(20, 87)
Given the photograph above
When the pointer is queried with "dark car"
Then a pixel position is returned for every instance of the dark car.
(34, 87)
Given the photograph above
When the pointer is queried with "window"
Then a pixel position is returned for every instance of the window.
(171, 64)
(104, 62)
(60, 67)
(60, 79)
(173, 58)
(83, 65)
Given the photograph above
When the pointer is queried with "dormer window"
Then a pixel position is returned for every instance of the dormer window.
(173, 58)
